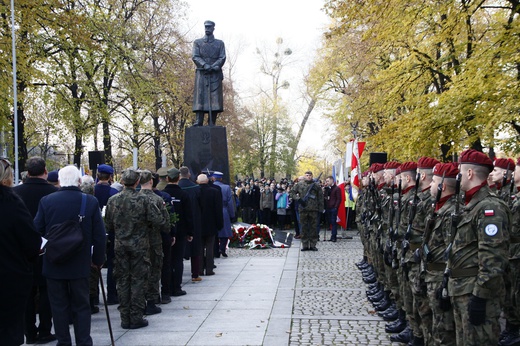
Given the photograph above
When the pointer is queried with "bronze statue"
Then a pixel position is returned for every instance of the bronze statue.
(209, 55)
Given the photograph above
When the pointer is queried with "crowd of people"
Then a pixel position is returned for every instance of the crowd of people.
(441, 249)
(141, 228)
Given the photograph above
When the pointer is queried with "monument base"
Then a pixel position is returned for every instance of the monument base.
(205, 149)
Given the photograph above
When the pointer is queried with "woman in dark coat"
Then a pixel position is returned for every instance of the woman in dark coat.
(19, 247)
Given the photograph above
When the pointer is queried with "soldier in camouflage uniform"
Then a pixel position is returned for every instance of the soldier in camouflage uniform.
(128, 216)
(435, 242)
(407, 175)
(511, 334)
(155, 239)
(501, 176)
(421, 319)
(479, 255)
(310, 197)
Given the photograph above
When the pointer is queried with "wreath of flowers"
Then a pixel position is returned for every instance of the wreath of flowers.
(252, 237)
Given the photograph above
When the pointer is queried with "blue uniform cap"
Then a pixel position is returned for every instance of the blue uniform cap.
(105, 169)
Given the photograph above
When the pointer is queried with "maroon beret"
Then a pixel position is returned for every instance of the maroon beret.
(505, 163)
(398, 170)
(408, 166)
(427, 162)
(446, 170)
(376, 167)
(474, 157)
(518, 162)
(391, 165)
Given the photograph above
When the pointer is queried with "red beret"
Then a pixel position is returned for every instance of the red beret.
(391, 165)
(427, 162)
(446, 170)
(398, 170)
(376, 167)
(408, 166)
(505, 163)
(474, 157)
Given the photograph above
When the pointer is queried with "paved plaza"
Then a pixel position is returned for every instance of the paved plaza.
(264, 297)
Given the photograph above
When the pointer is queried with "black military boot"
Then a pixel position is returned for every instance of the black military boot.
(151, 308)
(403, 337)
(373, 285)
(416, 341)
(362, 262)
(399, 325)
(390, 314)
(383, 304)
(376, 297)
(510, 336)
(372, 291)
(370, 279)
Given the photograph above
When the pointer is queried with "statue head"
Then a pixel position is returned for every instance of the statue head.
(209, 27)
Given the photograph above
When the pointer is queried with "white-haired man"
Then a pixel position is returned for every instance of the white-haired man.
(68, 282)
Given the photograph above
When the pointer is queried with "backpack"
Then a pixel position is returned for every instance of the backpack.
(66, 238)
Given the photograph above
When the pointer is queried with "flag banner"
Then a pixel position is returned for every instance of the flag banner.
(341, 176)
(342, 214)
(334, 173)
(355, 173)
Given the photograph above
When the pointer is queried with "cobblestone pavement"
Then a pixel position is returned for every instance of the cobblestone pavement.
(330, 305)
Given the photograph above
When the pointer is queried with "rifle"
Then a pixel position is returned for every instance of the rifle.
(395, 262)
(388, 245)
(511, 190)
(429, 226)
(442, 293)
(411, 215)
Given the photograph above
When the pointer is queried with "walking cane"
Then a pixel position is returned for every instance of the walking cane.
(106, 307)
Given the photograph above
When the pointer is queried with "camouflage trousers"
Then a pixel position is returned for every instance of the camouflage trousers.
(131, 271)
(443, 325)
(421, 316)
(156, 261)
(512, 298)
(468, 334)
(309, 223)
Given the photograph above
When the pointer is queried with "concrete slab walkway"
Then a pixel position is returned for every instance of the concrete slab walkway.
(264, 297)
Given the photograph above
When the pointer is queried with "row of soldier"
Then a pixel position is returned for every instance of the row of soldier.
(441, 254)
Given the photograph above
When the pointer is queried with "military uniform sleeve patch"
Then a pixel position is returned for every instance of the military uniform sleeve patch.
(491, 230)
(489, 212)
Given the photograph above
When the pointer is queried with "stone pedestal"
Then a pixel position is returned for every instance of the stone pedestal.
(205, 148)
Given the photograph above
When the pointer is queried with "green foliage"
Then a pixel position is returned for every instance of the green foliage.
(423, 77)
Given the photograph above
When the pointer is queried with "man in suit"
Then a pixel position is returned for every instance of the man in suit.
(68, 283)
(34, 188)
(212, 221)
(193, 248)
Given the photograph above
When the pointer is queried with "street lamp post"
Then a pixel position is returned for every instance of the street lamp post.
(15, 96)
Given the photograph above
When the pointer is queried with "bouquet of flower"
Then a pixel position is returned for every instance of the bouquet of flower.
(254, 236)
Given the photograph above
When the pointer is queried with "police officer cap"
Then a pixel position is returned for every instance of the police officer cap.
(173, 173)
(427, 162)
(446, 170)
(217, 174)
(130, 176)
(209, 23)
(474, 157)
(162, 172)
(505, 164)
(52, 176)
(105, 169)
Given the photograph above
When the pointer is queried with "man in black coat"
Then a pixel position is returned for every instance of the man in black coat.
(193, 248)
(212, 221)
(31, 192)
(68, 283)
(183, 229)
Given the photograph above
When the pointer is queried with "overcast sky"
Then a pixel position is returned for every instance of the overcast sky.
(244, 25)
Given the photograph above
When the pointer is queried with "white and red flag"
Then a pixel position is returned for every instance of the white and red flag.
(355, 173)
